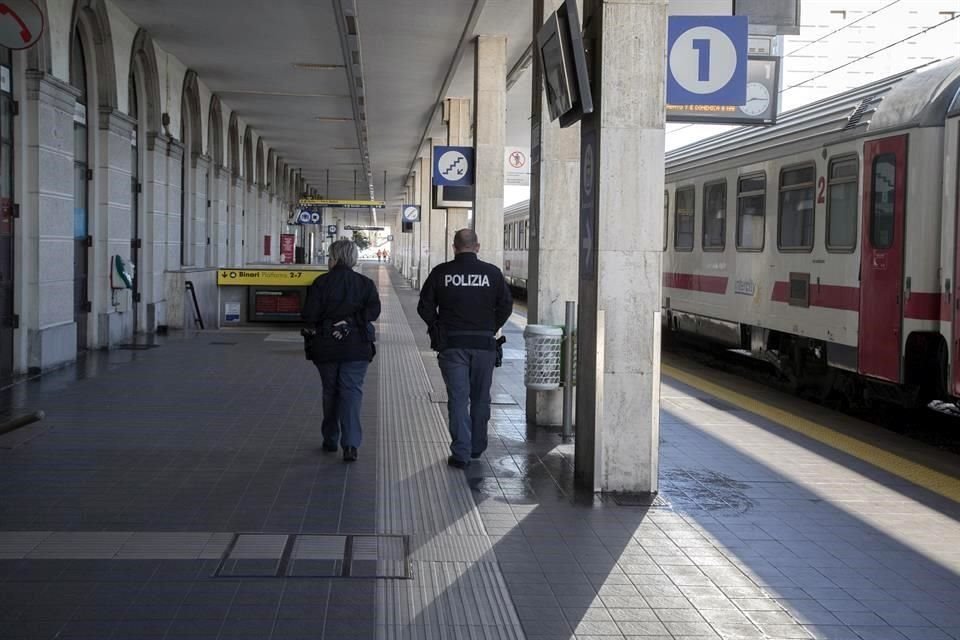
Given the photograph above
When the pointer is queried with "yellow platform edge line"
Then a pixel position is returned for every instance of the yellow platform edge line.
(940, 483)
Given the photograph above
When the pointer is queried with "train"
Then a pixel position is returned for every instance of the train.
(825, 244)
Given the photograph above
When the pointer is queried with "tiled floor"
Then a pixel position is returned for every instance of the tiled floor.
(116, 511)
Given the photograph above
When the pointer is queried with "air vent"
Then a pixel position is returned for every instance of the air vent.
(799, 289)
(316, 66)
(857, 114)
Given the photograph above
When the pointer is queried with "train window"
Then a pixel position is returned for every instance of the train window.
(751, 212)
(506, 236)
(796, 208)
(884, 189)
(683, 204)
(666, 218)
(715, 216)
(842, 205)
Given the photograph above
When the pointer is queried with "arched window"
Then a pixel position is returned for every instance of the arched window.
(81, 177)
(194, 210)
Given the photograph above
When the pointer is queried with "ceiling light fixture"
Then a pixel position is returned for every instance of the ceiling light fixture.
(316, 66)
(283, 94)
(333, 119)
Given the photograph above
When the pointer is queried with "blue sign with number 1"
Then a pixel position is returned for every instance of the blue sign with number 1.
(707, 60)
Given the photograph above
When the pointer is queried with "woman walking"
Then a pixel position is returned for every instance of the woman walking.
(341, 307)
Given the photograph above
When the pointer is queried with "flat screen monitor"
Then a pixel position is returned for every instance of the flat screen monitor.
(557, 70)
(453, 197)
(565, 76)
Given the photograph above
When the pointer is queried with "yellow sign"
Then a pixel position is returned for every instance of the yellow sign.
(272, 277)
(343, 204)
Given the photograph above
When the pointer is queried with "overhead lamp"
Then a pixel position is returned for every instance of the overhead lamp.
(316, 66)
(333, 119)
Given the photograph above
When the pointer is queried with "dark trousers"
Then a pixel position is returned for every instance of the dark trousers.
(468, 374)
(342, 394)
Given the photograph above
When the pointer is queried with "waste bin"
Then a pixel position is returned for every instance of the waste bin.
(544, 345)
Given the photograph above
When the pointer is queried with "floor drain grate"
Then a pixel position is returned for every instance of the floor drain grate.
(639, 500)
(136, 347)
(224, 343)
(262, 555)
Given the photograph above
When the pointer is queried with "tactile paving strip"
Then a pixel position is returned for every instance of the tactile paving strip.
(458, 590)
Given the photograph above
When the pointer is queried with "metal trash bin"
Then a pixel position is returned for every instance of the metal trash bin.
(544, 346)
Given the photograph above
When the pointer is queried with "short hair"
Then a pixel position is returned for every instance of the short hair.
(466, 239)
(344, 252)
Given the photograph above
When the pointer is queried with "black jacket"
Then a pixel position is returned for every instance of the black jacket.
(465, 302)
(342, 294)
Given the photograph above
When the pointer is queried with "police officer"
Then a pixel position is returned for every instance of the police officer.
(464, 303)
(342, 306)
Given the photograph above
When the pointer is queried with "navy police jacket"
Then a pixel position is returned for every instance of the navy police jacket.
(464, 303)
(342, 294)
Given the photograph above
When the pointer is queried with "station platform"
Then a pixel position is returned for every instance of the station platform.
(179, 491)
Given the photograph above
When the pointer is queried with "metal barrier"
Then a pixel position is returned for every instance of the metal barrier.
(197, 316)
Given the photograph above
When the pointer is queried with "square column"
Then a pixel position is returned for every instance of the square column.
(45, 266)
(554, 197)
(415, 237)
(621, 218)
(112, 229)
(437, 220)
(490, 134)
(456, 113)
(426, 214)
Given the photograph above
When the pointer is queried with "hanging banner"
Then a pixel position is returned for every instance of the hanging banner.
(288, 243)
(343, 204)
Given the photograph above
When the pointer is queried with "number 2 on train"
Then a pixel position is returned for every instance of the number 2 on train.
(821, 190)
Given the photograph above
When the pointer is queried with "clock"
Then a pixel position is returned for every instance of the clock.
(758, 99)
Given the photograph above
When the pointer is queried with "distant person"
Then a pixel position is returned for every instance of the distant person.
(341, 307)
(464, 303)
(386, 255)
(379, 255)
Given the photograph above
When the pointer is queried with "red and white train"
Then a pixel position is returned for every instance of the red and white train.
(826, 244)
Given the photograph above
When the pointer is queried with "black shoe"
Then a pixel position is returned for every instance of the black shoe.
(476, 456)
(454, 462)
(330, 448)
(350, 454)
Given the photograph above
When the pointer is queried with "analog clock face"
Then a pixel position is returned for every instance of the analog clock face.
(758, 99)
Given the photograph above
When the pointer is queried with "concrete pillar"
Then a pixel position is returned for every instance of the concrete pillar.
(423, 248)
(490, 134)
(554, 197)
(417, 226)
(621, 216)
(155, 231)
(437, 221)
(218, 209)
(45, 258)
(457, 116)
(200, 165)
(112, 229)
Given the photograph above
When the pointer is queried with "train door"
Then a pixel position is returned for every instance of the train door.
(955, 376)
(881, 262)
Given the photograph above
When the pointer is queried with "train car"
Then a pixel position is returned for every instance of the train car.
(825, 244)
(516, 235)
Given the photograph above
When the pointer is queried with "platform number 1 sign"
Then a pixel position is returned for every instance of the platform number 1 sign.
(707, 60)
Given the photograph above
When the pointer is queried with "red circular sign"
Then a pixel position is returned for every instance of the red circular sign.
(21, 24)
(517, 159)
